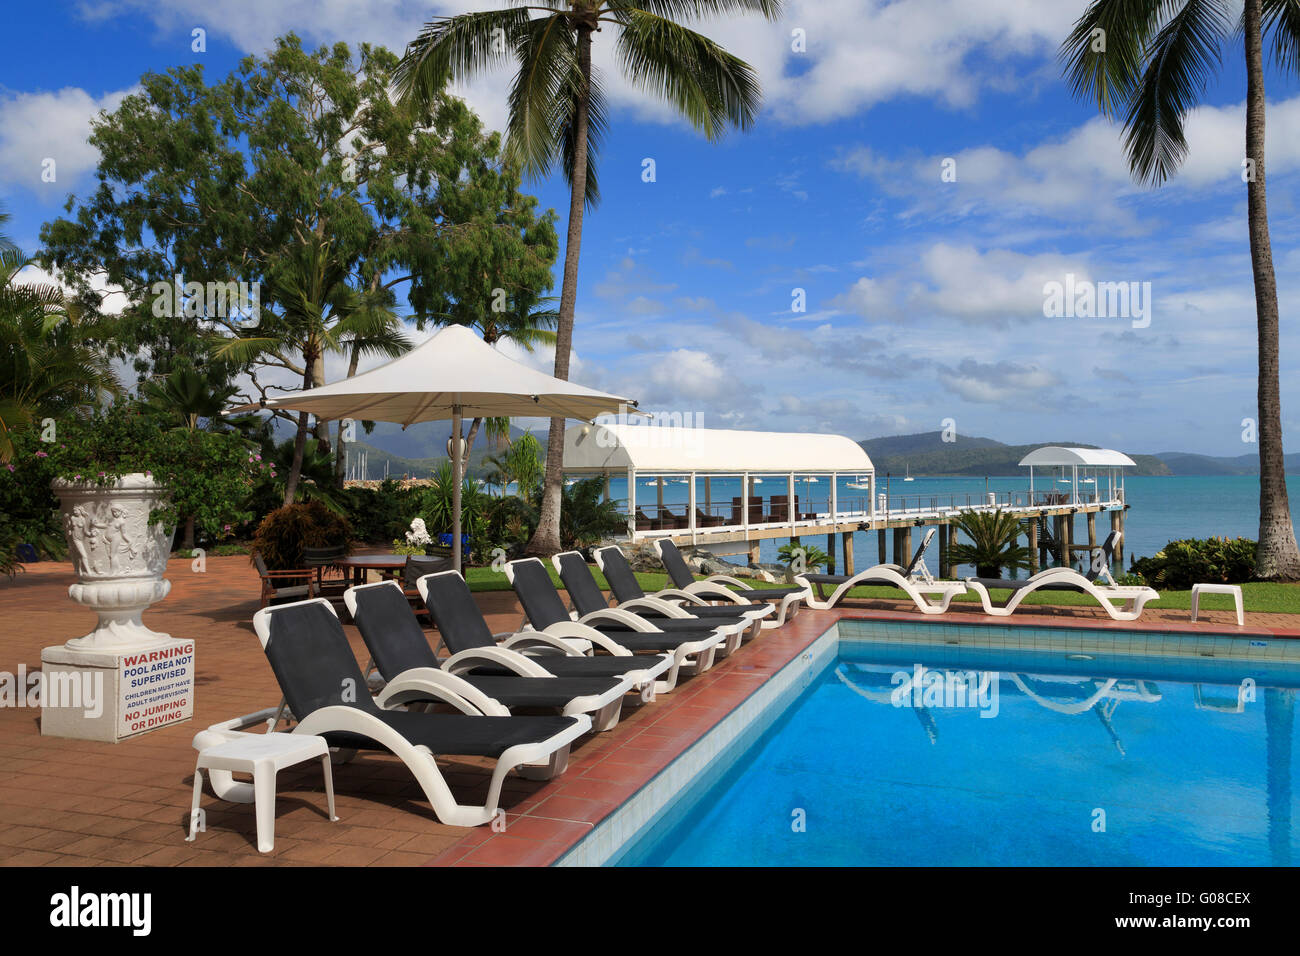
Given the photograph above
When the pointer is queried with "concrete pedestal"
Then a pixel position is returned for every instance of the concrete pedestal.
(112, 694)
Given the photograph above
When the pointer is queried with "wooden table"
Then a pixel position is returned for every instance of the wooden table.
(388, 565)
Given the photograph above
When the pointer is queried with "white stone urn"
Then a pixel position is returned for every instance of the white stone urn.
(118, 555)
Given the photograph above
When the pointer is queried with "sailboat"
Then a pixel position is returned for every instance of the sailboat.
(908, 473)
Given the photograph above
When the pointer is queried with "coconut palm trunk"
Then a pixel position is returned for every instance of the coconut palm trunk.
(1276, 556)
(546, 539)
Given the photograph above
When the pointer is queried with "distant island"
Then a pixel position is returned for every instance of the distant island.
(926, 453)
(418, 450)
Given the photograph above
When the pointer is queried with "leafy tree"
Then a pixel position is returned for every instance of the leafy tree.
(557, 111)
(299, 176)
(994, 543)
(1153, 60)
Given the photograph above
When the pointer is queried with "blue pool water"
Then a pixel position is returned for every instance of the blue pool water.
(1113, 761)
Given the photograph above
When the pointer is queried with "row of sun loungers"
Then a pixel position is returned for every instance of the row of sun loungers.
(933, 597)
(581, 665)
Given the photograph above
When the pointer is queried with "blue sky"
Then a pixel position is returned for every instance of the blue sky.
(924, 298)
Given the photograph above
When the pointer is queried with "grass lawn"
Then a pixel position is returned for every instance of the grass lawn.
(1260, 597)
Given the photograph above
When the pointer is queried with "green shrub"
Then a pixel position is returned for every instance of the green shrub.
(435, 505)
(383, 513)
(1180, 564)
(585, 517)
(800, 558)
(993, 543)
(285, 532)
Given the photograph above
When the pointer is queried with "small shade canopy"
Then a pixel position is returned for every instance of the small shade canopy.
(1052, 456)
(454, 372)
(660, 449)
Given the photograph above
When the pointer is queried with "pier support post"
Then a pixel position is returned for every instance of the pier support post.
(884, 557)
(945, 568)
(1058, 532)
(907, 548)
(753, 552)
(1067, 541)
(847, 538)
(1033, 545)
(830, 552)
(1092, 533)
(1119, 548)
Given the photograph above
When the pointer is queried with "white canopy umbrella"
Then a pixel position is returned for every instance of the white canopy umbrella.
(453, 374)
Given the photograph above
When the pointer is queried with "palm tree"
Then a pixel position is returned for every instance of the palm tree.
(557, 111)
(51, 355)
(319, 313)
(994, 543)
(1154, 59)
(5, 242)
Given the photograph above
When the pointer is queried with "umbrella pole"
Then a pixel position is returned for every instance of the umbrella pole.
(455, 487)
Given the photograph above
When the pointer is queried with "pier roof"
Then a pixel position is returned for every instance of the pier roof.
(667, 449)
(1051, 455)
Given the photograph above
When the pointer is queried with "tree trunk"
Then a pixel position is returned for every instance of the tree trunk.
(187, 540)
(299, 444)
(546, 539)
(340, 453)
(295, 469)
(469, 439)
(322, 429)
(1276, 555)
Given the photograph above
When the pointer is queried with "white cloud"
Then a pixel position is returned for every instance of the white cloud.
(38, 127)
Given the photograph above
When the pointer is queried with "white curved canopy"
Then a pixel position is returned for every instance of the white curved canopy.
(659, 449)
(1051, 455)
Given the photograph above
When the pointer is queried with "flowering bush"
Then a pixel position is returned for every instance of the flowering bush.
(418, 535)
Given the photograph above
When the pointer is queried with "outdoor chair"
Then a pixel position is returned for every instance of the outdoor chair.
(718, 587)
(326, 692)
(589, 602)
(611, 630)
(279, 586)
(464, 631)
(628, 592)
(914, 580)
(412, 673)
(1098, 584)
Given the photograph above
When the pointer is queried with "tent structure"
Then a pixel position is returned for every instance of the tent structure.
(1101, 462)
(452, 375)
(696, 456)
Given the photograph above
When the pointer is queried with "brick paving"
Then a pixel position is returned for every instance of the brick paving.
(69, 802)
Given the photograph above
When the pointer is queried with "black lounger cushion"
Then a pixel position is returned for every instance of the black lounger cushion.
(314, 666)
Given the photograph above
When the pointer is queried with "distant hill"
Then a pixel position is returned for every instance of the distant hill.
(1184, 463)
(928, 454)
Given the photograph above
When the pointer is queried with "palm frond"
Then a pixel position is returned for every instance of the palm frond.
(459, 47)
(547, 54)
(710, 87)
(1180, 61)
(1282, 17)
(1109, 76)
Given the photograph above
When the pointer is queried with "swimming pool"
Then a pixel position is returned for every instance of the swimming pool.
(937, 752)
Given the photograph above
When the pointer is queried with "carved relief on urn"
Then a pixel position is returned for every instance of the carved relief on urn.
(119, 556)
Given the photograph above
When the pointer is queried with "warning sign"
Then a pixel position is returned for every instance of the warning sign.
(155, 688)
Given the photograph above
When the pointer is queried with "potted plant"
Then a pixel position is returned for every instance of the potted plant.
(122, 480)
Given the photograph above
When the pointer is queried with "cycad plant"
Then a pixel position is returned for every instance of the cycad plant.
(52, 359)
(557, 110)
(994, 543)
(586, 518)
(1152, 60)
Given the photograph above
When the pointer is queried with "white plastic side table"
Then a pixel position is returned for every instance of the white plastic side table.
(264, 756)
(1232, 589)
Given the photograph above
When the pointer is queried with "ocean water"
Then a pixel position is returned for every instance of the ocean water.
(1162, 509)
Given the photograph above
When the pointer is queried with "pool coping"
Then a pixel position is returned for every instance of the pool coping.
(545, 827)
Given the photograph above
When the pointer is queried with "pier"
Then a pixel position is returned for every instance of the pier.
(793, 492)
